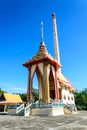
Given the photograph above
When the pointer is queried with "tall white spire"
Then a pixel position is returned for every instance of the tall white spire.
(55, 37)
(42, 35)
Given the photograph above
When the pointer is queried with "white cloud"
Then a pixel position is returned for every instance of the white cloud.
(18, 89)
(11, 88)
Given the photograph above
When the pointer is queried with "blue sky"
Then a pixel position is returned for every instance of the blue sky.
(20, 39)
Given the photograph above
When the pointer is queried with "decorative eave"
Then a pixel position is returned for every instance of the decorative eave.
(9, 102)
(66, 85)
(52, 62)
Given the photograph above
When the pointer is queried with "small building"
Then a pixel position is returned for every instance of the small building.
(9, 102)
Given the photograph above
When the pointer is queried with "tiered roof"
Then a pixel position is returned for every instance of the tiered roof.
(42, 55)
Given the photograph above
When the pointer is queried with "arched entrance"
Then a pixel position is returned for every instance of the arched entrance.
(35, 94)
(51, 86)
(38, 77)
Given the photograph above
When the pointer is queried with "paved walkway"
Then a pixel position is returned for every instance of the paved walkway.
(67, 122)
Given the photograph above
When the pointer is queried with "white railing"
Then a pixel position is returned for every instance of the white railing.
(27, 110)
(37, 101)
(42, 105)
(57, 104)
(20, 108)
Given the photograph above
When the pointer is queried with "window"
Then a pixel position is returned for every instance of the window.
(68, 98)
(64, 97)
(72, 98)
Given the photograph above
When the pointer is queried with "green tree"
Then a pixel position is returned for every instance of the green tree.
(1, 91)
(81, 100)
(23, 97)
(35, 94)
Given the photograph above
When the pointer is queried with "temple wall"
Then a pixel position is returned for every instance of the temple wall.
(72, 98)
(67, 96)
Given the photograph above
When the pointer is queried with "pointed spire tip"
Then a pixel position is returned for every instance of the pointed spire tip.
(53, 15)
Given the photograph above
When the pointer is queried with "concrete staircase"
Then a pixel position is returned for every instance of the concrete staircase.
(41, 109)
(45, 109)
